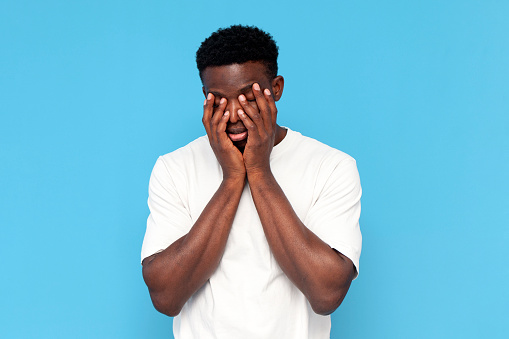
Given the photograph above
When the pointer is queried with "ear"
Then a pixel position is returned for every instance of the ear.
(203, 89)
(278, 83)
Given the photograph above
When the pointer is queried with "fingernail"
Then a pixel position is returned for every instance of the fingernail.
(204, 102)
(222, 101)
(226, 113)
(209, 96)
(256, 86)
(241, 112)
(266, 91)
(242, 98)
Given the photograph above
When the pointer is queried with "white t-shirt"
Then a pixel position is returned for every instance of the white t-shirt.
(249, 296)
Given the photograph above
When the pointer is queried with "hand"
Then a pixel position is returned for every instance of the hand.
(228, 156)
(260, 121)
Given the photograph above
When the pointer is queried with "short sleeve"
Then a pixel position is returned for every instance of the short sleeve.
(169, 218)
(334, 214)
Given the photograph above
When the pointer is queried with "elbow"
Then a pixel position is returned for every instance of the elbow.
(163, 297)
(330, 296)
(326, 304)
(327, 300)
(165, 306)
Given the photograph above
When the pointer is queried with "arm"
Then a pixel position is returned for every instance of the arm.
(175, 274)
(322, 274)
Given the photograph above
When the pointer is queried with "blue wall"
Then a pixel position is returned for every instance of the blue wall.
(417, 91)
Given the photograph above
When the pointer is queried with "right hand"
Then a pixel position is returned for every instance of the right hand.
(228, 156)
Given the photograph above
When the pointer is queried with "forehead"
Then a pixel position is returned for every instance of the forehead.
(234, 77)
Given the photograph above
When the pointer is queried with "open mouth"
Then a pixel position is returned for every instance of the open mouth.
(237, 135)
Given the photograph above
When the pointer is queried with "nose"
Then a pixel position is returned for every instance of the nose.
(233, 106)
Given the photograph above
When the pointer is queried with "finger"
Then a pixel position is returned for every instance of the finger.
(218, 114)
(252, 113)
(248, 123)
(216, 117)
(221, 127)
(272, 105)
(208, 109)
(263, 106)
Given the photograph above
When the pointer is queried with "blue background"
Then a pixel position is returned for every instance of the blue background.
(92, 92)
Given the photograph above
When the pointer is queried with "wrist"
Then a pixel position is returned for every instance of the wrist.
(259, 174)
(234, 179)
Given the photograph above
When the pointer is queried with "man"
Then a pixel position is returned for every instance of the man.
(253, 229)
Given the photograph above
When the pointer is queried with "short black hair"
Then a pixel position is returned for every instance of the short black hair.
(238, 44)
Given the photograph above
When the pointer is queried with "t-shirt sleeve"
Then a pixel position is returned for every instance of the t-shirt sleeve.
(169, 218)
(334, 214)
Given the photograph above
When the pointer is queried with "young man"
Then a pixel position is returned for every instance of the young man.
(253, 229)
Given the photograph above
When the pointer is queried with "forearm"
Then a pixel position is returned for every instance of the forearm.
(176, 273)
(322, 274)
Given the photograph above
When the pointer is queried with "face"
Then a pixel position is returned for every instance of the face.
(232, 80)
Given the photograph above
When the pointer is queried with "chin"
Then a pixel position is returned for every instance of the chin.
(240, 145)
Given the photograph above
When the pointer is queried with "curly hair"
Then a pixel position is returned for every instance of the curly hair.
(238, 44)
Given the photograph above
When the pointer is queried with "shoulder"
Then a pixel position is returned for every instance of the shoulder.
(314, 151)
(196, 153)
(196, 149)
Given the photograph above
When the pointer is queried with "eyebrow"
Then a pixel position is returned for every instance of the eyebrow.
(240, 91)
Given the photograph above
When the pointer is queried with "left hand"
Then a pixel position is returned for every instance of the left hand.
(260, 121)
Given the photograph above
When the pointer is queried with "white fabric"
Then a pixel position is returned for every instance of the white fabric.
(249, 296)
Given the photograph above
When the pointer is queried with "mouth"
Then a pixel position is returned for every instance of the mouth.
(237, 135)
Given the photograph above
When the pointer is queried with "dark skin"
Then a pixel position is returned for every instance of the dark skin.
(241, 98)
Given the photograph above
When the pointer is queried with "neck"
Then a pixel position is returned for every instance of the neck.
(280, 134)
